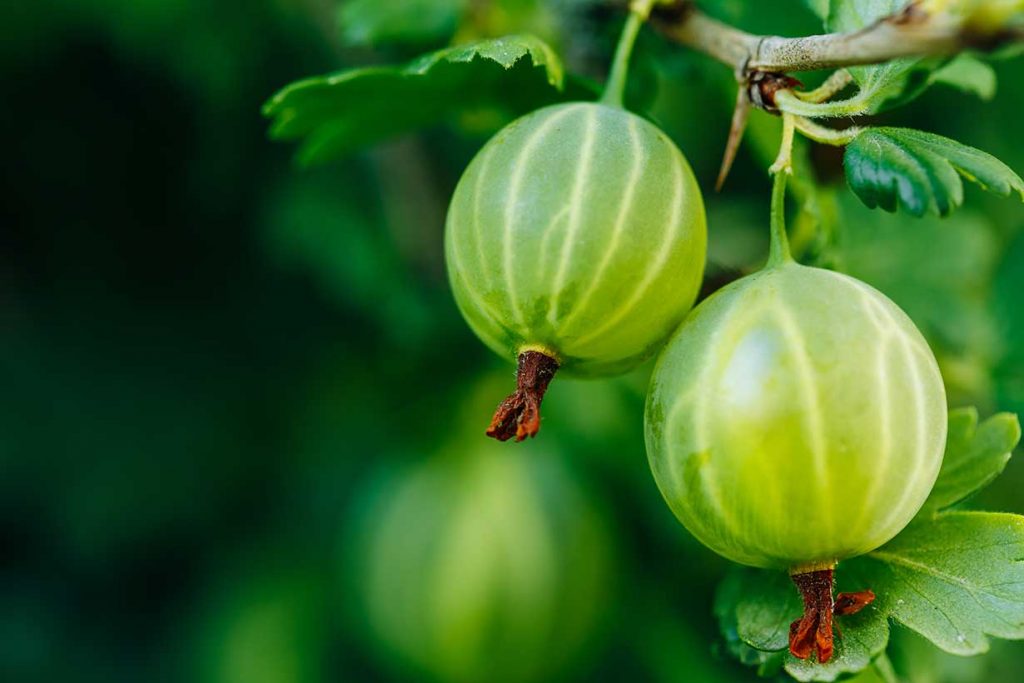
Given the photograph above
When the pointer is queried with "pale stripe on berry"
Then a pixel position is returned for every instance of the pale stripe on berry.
(656, 270)
(734, 317)
(812, 404)
(512, 203)
(577, 207)
(920, 441)
(625, 210)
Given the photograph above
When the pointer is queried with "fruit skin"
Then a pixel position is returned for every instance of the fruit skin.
(577, 231)
(796, 418)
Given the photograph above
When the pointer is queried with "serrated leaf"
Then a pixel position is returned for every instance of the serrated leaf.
(338, 113)
(890, 167)
(975, 455)
(372, 22)
(954, 579)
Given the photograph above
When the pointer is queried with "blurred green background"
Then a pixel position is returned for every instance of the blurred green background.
(241, 419)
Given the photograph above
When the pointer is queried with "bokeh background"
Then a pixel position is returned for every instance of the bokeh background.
(241, 419)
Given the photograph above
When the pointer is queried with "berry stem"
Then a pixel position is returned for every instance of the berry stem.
(779, 250)
(813, 631)
(614, 89)
(784, 159)
(519, 414)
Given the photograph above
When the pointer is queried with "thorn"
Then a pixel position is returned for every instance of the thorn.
(736, 129)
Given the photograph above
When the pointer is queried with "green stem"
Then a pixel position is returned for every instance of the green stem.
(639, 10)
(827, 136)
(784, 159)
(854, 106)
(779, 250)
(832, 86)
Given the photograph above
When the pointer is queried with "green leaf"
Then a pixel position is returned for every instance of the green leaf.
(921, 171)
(766, 604)
(954, 579)
(975, 455)
(372, 22)
(735, 585)
(968, 73)
(336, 114)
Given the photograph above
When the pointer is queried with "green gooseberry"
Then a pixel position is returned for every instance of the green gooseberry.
(473, 566)
(575, 241)
(795, 419)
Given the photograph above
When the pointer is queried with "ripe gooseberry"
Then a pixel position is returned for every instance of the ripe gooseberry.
(797, 418)
(575, 241)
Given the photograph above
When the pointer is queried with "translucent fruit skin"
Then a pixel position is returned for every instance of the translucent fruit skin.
(795, 419)
(578, 230)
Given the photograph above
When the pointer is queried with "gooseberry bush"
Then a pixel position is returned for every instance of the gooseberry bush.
(796, 420)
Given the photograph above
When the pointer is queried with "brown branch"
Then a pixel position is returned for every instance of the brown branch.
(912, 32)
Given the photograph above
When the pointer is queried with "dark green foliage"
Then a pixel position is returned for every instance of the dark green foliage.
(339, 113)
(890, 167)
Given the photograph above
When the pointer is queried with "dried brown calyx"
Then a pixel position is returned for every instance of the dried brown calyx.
(813, 631)
(519, 414)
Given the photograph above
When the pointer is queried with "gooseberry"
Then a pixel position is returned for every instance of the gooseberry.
(473, 566)
(575, 241)
(797, 418)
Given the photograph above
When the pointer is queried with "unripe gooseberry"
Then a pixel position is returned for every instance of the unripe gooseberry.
(795, 419)
(473, 566)
(576, 242)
